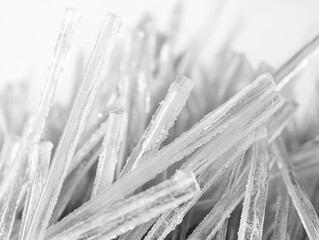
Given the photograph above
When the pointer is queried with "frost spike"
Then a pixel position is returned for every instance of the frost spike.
(113, 138)
(135, 210)
(281, 219)
(296, 63)
(299, 198)
(161, 122)
(169, 220)
(253, 213)
(208, 128)
(34, 128)
(75, 125)
(39, 158)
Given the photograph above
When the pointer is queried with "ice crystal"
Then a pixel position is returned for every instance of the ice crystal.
(217, 155)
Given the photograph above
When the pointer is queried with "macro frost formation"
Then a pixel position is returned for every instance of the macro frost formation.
(144, 152)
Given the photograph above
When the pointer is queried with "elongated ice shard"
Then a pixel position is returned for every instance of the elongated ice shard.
(71, 183)
(33, 131)
(222, 210)
(299, 198)
(280, 119)
(88, 146)
(161, 122)
(74, 126)
(138, 232)
(108, 157)
(206, 178)
(39, 158)
(296, 63)
(135, 210)
(281, 220)
(252, 217)
(84, 162)
(37, 121)
(228, 185)
(219, 121)
(9, 205)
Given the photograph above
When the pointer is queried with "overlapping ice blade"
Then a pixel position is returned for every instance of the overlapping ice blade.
(39, 162)
(135, 210)
(206, 178)
(299, 198)
(222, 120)
(138, 232)
(161, 122)
(113, 138)
(88, 146)
(280, 119)
(296, 63)
(253, 213)
(281, 220)
(34, 128)
(74, 126)
(76, 175)
(222, 210)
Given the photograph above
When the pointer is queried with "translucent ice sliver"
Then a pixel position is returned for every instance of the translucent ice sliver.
(296, 63)
(74, 126)
(34, 128)
(206, 178)
(113, 138)
(39, 158)
(281, 219)
(253, 213)
(161, 122)
(135, 210)
(210, 127)
(299, 198)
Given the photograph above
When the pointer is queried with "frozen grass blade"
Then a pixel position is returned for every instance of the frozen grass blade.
(201, 133)
(299, 198)
(206, 178)
(39, 162)
(135, 210)
(74, 126)
(117, 123)
(252, 217)
(281, 219)
(161, 122)
(297, 63)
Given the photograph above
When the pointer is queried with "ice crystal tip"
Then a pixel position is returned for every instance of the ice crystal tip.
(138, 155)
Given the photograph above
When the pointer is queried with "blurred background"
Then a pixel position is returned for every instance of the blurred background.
(266, 30)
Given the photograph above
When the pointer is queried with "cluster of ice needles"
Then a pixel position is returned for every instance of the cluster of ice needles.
(142, 154)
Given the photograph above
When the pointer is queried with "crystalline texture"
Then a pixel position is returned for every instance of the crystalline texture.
(295, 64)
(135, 210)
(78, 172)
(281, 219)
(299, 198)
(39, 157)
(74, 126)
(34, 128)
(108, 157)
(210, 126)
(161, 122)
(169, 220)
(252, 217)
